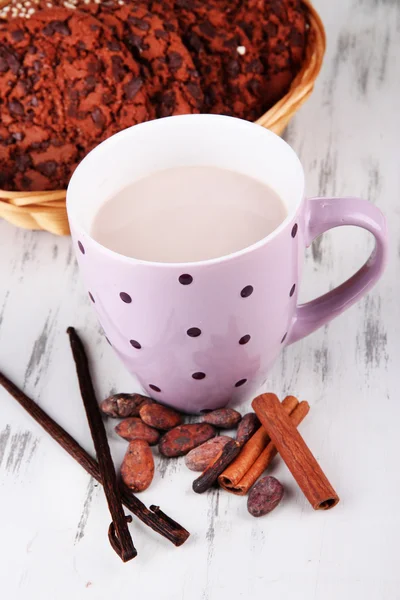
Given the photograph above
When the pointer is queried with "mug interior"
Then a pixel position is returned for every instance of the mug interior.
(186, 140)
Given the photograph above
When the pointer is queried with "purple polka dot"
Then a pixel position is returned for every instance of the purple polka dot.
(243, 340)
(154, 388)
(185, 279)
(294, 230)
(292, 290)
(125, 297)
(240, 382)
(194, 332)
(91, 297)
(284, 338)
(135, 344)
(246, 291)
(198, 375)
(81, 248)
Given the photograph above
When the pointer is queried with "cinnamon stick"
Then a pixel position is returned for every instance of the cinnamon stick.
(153, 517)
(295, 452)
(251, 451)
(266, 456)
(118, 534)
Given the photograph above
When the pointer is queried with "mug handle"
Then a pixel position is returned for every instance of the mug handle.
(322, 214)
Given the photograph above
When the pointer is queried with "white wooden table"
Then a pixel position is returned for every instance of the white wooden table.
(53, 516)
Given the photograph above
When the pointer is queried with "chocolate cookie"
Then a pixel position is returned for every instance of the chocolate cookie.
(66, 83)
(243, 53)
(278, 29)
(151, 34)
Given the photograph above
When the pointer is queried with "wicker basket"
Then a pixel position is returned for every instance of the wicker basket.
(46, 210)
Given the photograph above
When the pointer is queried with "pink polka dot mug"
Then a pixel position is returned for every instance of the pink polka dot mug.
(199, 335)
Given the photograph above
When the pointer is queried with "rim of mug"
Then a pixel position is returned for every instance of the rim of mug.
(210, 261)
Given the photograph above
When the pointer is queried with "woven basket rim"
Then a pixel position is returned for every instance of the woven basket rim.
(46, 209)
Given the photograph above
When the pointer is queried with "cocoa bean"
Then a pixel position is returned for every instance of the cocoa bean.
(137, 469)
(124, 405)
(224, 418)
(264, 496)
(200, 458)
(160, 417)
(182, 439)
(134, 429)
(247, 427)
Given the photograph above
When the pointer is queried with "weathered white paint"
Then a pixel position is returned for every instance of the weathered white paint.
(53, 518)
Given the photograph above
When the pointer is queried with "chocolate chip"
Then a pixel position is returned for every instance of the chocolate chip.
(15, 107)
(61, 27)
(195, 42)
(26, 182)
(280, 47)
(107, 98)
(161, 34)
(94, 67)
(175, 60)
(47, 168)
(188, 4)
(231, 43)
(253, 86)
(132, 87)
(255, 66)
(118, 69)
(208, 29)
(296, 38)
(17, 35)
(48, 29)
(169, 26)
(23, 162)
(114, 45)
(90, 81)
(98, 118)
(233, 68)
(13, 63)
(139, 23)
(25, 85)
(135, 41)
(195, 90)
(167, 104)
